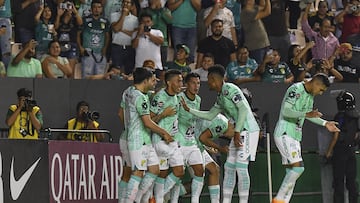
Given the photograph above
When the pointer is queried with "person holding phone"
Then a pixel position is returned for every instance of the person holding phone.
(24, 64)
(147, 42)
(219, 11)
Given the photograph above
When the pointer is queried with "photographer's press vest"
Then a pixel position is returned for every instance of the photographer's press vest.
(23, 123)
(74, 124)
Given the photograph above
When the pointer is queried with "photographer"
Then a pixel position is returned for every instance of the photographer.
(25, 118)
(342, 148)
(84, 120)
(350, 20)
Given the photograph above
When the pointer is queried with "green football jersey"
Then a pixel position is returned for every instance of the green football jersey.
(299, 100)
(228, 100)
(93, 33)
(217, 127)
(137, 104)
(159, 103)
(187, 121)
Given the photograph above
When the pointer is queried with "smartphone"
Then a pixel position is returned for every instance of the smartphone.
(147, 28)
(269, 52)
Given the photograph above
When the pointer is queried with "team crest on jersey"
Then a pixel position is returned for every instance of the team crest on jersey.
(293, 154)
(292, 94)
(271, 70)
(237, 98)
(144, 105)
(160, 104)
(143, 162)
(282, 71)
(226, 92)
(102, 26)
(218, 129)
(90, 24)
(154, 103)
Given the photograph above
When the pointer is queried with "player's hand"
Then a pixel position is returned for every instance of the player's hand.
(167, 138)
(184, 105)
(314, 114)
(237, 140)
(331, 126)
(169, 111)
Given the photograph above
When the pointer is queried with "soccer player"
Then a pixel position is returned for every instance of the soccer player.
(186, 135)
(124, 155)
(297, 106)
(138, 124)
(232, 102)
(164, 111)
(209, 130)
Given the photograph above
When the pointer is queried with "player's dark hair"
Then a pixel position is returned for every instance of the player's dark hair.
(171, 73)
(141, 74)
(191, 75)
(323, 78)
(217, 69)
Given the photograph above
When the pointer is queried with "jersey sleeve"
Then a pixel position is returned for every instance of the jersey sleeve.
(292, 95)
(142, 105)
(238, 99)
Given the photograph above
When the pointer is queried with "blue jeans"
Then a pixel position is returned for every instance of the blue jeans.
(93, 64)
(185, 36)
(5, 40)
(124, 57)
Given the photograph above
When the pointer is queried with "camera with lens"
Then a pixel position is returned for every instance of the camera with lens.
(354, 8)
(23, 132)
(29, 103)
(91, 115)
(147, 28)
(78, 137)
(318, 64)
(66, 6)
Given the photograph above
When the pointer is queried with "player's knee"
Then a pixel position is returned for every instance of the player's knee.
(215, 170)
(178, 171)
(198, 170)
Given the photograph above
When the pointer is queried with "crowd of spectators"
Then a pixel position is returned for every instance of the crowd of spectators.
(107, 39)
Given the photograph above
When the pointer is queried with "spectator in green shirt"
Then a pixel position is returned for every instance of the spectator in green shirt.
(273, 70)
(180, 62)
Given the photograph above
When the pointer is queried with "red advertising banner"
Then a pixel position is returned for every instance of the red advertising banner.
(84, 172)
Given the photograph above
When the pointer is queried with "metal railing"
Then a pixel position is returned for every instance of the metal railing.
(48, 132)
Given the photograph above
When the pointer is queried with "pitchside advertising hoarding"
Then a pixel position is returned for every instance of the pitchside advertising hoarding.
(59, 171)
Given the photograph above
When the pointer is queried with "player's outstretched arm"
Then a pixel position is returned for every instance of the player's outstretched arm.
(148, 123)
(206, 139)
(331, 126)
(208, 115)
